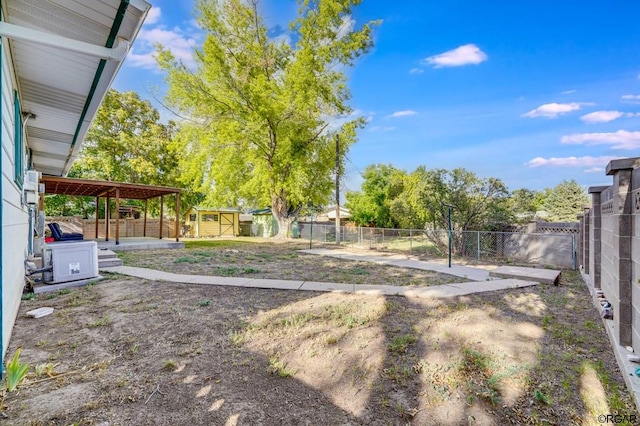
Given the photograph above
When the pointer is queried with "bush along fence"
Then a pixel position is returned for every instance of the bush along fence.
(549, 244)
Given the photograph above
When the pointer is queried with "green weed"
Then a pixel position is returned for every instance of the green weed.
(400, 344)
(101, 322)
(186, 259)
(279, 367)
(236, 338)
(541, 397)
(29, 296)
(15, 371)
(169, 365)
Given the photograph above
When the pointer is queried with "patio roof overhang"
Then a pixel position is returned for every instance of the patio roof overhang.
(116, 190)
(103, 188)
(66, 54)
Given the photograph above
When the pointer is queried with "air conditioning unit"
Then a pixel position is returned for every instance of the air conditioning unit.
(31, 180)
(70, 261)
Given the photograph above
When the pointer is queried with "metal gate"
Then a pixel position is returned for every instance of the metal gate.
(227, 224)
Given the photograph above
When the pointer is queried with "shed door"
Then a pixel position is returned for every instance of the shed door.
(227, 224)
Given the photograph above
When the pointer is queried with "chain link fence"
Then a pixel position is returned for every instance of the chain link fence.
(557, 250)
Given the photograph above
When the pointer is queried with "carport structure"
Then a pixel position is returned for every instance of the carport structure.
(108, 190)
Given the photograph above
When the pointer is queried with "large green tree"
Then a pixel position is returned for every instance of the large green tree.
(262, 114)
(372, 205)
(127, 143)
(391, 197)
(565, 201)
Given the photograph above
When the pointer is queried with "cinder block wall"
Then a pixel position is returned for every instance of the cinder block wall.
(635, 257)
(613, 247)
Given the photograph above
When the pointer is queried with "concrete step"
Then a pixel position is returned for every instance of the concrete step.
(106, 254)
(547, 276)
(106, 263)
(107, 258)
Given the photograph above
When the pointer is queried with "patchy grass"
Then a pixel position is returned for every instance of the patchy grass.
(503, 357)
(240, 258)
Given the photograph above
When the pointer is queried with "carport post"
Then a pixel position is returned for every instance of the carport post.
(106, 218)
(161, 208)
(177, 216)
(97, 215)
(117, 216)
(144, 223)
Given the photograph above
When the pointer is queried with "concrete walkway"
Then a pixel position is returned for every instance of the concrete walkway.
(482, 282)
(475, 273)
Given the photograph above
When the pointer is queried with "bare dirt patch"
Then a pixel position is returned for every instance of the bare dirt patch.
(128, 351)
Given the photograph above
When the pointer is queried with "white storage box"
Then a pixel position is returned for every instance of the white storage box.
(70, 261)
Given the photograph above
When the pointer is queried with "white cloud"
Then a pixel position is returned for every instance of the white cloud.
(180, 44)
(601, 116)
(382, 128)
(570, 161)
(404, 113)
(348, 23)
(595, 170)
(553, 110)
(415, 71)
(153, 17)
(631, 98)
(622, 139)
(463, 55)
(568, 92)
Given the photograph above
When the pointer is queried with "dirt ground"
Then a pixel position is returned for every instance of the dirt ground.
(127, 351)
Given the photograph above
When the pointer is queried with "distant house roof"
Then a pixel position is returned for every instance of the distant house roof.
(215, 209)
(266, 210)
(345, 213)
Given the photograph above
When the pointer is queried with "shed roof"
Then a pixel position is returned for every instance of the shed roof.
(216, 209)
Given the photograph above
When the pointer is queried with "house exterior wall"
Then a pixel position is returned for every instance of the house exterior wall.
(15, 216)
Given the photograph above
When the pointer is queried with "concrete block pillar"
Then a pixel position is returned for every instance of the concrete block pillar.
(621, 170)
(580, 245)
(595, 217)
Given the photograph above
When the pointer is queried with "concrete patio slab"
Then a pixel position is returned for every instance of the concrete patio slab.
(546, 276)
(47, 288)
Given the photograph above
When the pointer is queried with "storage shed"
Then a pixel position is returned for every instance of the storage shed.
(212, 222)
(265, 224)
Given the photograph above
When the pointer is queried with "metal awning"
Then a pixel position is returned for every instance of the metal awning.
(66, 54)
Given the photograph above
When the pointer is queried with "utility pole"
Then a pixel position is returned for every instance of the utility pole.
(450, 230)
(337, 190)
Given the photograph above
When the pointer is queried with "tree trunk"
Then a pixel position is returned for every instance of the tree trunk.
(281, 214)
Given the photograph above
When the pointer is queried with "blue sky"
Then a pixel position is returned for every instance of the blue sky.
(532, 93)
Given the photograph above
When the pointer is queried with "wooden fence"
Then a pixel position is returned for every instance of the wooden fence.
(128, 227)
